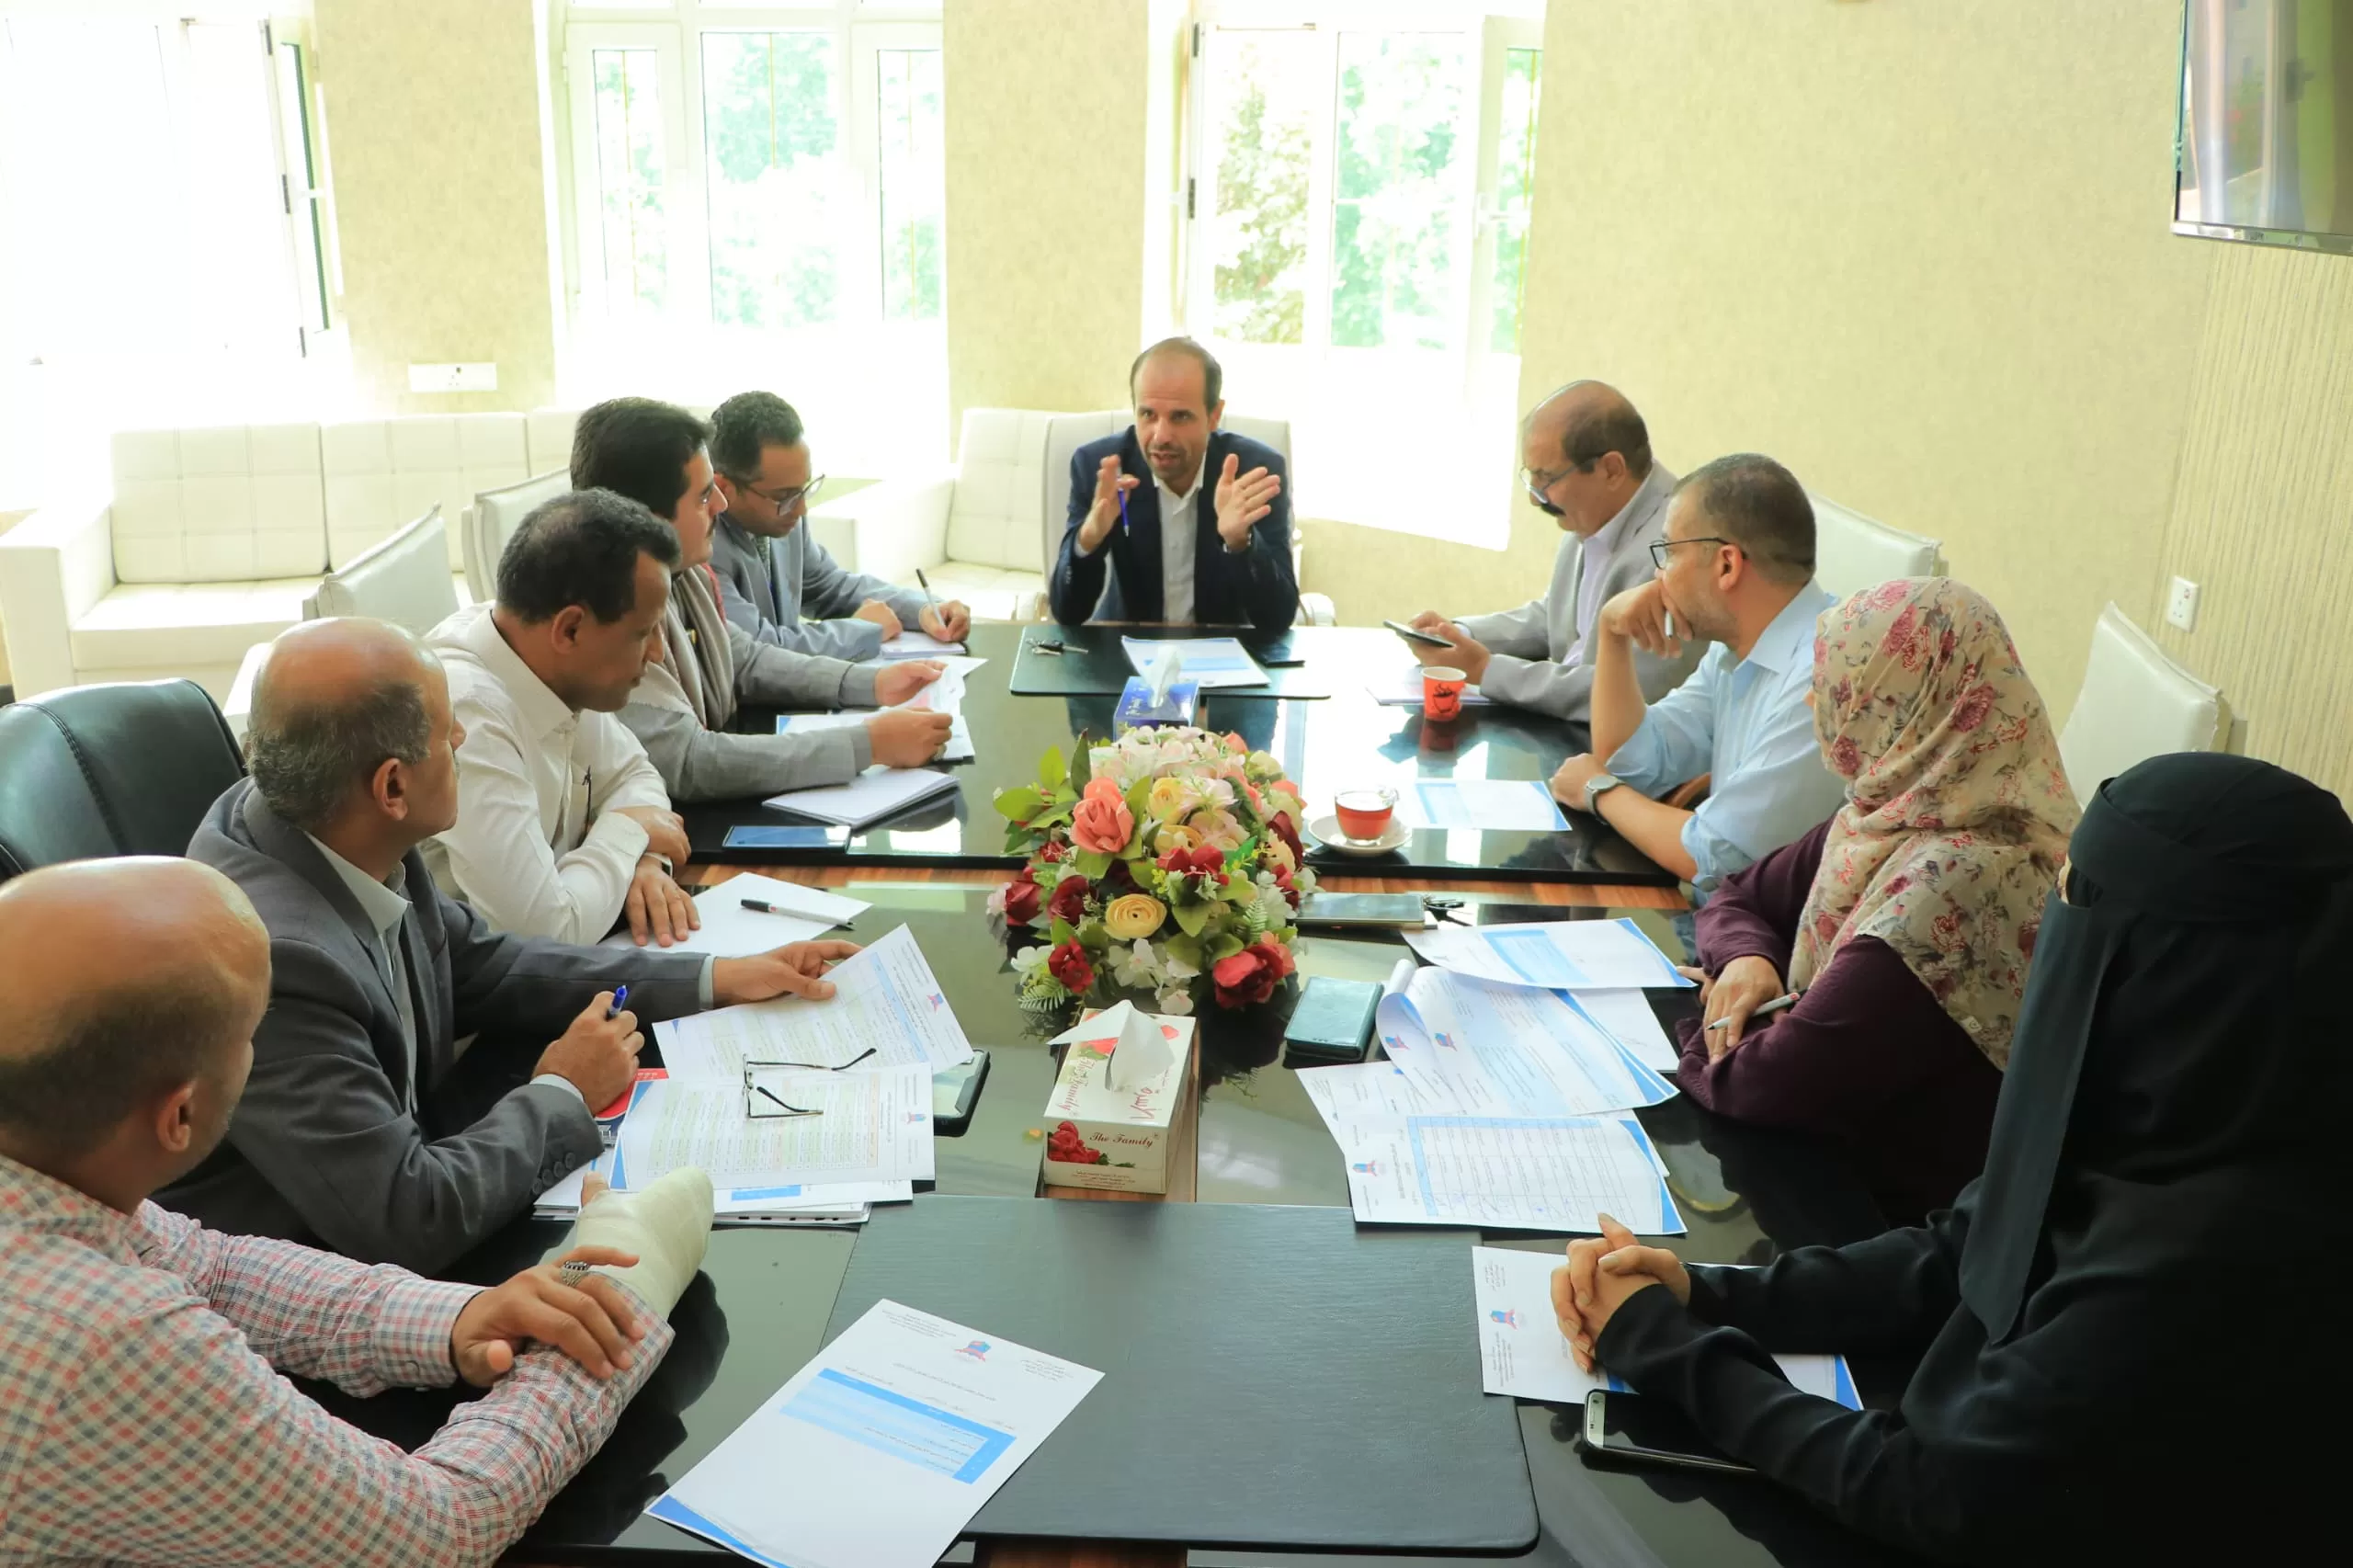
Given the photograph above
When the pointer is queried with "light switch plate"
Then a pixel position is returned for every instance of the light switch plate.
(453, 378)
(2181, 604)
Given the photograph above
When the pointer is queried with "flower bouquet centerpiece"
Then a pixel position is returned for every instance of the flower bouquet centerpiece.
(1162, 861)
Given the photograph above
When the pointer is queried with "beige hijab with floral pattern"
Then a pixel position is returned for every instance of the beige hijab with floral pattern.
(1958, 810)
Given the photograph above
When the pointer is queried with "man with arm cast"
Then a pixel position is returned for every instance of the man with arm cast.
(652, 453)
(1204, 535)
(1588, 464)
(140, 1353)
(772, 572)
(344, 1138)
(1735, 568)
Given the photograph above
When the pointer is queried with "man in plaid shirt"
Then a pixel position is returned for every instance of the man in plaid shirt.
(140, 1417)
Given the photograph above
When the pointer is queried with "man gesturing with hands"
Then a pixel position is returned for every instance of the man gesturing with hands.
(365, 1126)
(1143, 542)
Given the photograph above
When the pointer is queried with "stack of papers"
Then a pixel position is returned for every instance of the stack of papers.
(911, 643)
(881, 1449)
(874, 794)
(1568, 955)
(1522, 1351)
(1208, 661)
(887, 1027)
(945, 695)
(1495, 805)
(731, 931)
(1501, 1106)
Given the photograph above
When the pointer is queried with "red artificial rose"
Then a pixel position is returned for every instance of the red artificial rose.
(1251, 975)
(1283, 828)
(1052, 851)
(1207, 861)
(1069, 902)
(1021, 899)
(1289, 884)
(1068, 964)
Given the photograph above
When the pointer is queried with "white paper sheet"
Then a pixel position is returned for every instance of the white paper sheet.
(731, 931)
(871, 796)
(958, 749)
(1373, 1088)
(1522, 1351)
(1498, 805)
(876, 1127)
(1627, 1014)
(1403, 688)
(878, 1451)
(1555, 1174)
(914, 643)
(885, 998)
(1558, 955)
(1208, 661)
(1509, 1050)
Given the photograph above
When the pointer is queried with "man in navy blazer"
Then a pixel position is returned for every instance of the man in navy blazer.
(1204, 535)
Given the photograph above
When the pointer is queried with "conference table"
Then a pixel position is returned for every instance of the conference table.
(761, 1307)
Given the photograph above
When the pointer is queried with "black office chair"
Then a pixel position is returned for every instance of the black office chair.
(99, 770)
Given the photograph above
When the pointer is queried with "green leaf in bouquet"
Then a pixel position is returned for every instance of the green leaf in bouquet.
(1190, 917)
(1139, 793)
(1058, 931)
(1053, 817)
(1081, 762)
(1224, 946)
(1018, 803)
(1092, 864)
(1051, 772)
(1187, 949)
(1095, 936)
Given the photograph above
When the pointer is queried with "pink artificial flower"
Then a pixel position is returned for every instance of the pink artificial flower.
(1100, 824)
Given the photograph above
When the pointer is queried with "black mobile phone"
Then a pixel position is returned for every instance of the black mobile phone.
(749, 836)
(1362, 909)
(1626, 1428)
(1333, 1018)
(1401, 629)
(954, 1090)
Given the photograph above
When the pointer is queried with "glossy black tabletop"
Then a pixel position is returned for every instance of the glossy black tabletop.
(1326, 744)
(761, 1308)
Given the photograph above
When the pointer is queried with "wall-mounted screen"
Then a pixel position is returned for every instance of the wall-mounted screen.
(2266, 151)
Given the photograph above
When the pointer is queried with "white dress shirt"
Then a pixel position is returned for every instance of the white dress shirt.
(1176, 547)
(540, 848)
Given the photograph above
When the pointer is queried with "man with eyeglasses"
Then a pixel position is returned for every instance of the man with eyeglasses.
(773, 571)
(1587, 457)
(1736, 569)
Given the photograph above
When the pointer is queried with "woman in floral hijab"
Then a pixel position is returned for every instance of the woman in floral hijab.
(1906, 921)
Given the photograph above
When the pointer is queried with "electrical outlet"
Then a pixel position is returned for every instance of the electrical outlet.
(453, 378)
(2181, 604)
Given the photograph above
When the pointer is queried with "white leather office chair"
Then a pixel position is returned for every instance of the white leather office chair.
(404, 579)
(2135, 704)
(1852, 552)
(491, 520)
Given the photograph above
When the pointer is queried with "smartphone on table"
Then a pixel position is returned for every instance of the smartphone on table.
(1626, 1428)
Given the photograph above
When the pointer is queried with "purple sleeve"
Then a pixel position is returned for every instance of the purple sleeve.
(1865, 1032)
(1754, 914)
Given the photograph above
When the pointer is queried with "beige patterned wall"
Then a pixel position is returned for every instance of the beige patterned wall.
(433, 126)
(2262, 514)
(1046, 153)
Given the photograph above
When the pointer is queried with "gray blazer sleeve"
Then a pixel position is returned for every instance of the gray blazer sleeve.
(320, 1123)
(696, 764)
(781, 677)
(1523, 633)
(1565, 691)
(830, 593)
(532, 987)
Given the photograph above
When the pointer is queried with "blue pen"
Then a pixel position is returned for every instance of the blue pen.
(620, 1000)
(1123, 509)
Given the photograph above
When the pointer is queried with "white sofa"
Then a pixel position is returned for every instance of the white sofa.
(213, 537)
(987, 529)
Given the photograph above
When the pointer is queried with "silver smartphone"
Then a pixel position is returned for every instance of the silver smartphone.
(1626, 1428)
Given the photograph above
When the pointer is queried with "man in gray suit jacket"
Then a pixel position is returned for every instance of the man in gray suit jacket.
(1588, 465)
(376, 975)
(774, 573)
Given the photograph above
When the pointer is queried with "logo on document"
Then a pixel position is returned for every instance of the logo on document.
(937, 1001)
(978, 1350)
(1446, 1040)
(1509, 1317)
(1365, 1167)
(917, 1118)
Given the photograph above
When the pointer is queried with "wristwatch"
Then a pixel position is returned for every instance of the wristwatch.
(1596, 787)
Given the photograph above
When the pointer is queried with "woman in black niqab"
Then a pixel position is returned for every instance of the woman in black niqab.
(2126, 1323)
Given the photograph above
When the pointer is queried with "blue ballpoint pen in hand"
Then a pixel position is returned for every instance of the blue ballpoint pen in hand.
(620, 1000)
(1124, 508)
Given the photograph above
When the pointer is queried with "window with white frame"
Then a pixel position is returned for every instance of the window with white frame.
(756, 199)
(1358, 192)
(170, 256)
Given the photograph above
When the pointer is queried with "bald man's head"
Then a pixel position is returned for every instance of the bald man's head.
(1586, 452)
(336, 700)
(126, 981)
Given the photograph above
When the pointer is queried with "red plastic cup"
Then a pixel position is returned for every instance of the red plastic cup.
(1442, 691)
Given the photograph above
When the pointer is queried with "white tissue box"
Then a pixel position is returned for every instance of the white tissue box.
(1118, 1139)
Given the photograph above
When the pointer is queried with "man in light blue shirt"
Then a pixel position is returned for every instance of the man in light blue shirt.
(1735, 568)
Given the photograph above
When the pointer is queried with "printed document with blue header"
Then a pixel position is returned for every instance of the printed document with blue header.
(1507, 1173)
(1555, 955)
(1522, 1351)
(1508, 1049)
(877, 1452)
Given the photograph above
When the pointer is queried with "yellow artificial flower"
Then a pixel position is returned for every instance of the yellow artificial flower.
(1176, 835)
(1171, 798)
(1133, 915)
(1275, 852)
